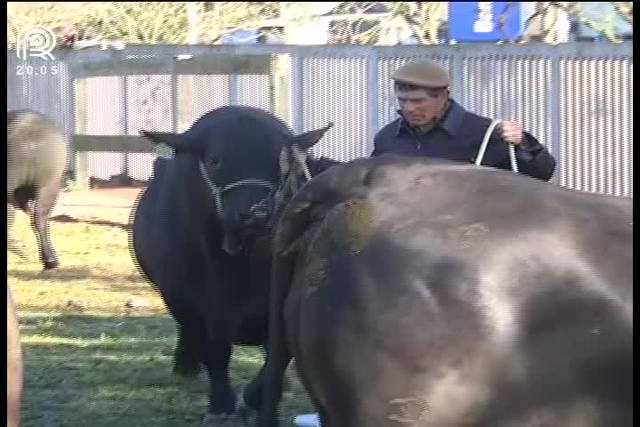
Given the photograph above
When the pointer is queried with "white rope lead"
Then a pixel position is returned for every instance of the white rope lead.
(485, 142)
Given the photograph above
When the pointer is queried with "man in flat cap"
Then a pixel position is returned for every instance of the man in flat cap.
(432, 124)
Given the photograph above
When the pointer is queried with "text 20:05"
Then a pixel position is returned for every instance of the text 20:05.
(29, 70)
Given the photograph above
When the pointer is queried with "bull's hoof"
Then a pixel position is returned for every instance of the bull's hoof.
(252, 395)
(50, 264)
(221, 420)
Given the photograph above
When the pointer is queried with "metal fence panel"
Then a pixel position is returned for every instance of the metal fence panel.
(254, 90)
(198, 95)
(334, 90)
(596, 135)
(577, 99)
(148, 107)
(104, 114)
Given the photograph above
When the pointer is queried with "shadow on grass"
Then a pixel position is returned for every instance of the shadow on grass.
(108, 371)
(67, 274)
(66, 218)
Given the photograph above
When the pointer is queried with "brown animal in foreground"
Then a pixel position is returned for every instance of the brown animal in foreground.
(14, 365)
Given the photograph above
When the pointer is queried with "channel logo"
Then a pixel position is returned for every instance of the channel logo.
(38, 42)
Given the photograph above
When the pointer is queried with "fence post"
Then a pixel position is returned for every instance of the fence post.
(373, 97)
(233, 89)
(125, 109)
(297, 91)
(457, 86)
(554, 110)
(82, 170)
(281, 79)
(175, 110)
(79, 96)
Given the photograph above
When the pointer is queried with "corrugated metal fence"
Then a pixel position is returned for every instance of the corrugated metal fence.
(576, 98)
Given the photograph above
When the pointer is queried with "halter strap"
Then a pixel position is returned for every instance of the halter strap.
(217, 191)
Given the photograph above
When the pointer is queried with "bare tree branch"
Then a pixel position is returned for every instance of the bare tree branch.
(624, 9)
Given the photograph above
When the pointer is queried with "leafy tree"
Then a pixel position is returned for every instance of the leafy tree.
(205, 22)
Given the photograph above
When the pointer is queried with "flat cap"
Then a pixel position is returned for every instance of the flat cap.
(424, 74)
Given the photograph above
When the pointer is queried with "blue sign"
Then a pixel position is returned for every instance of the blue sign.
(485, 20)
(241, 36)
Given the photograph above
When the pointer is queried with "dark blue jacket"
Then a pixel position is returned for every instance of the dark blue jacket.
(458, 137)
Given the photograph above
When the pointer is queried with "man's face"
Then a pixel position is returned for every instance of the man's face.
(422, 106)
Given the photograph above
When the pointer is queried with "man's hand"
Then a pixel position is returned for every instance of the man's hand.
(510, 131)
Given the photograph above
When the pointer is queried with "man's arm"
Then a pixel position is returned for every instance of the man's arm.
(534, 159)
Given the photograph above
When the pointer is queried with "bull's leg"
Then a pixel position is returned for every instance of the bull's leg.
(222, 398)
(278, 358)
(188, 352)
(191, 336)
(272, 392)
(278, 354)
(40, 223)
(253, 391)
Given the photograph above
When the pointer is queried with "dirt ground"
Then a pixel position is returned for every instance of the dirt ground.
(123, 197)
(93, 206)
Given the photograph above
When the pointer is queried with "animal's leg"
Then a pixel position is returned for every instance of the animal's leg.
(222, 398)
(278, 358)
(14, 245)
(272, 391)
(45, 201)
(188, 352)
(253, 391)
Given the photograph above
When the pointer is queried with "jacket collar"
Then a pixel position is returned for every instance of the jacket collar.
(451, 122)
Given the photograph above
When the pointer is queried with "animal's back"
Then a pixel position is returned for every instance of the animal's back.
(414, 304)
(36, 150)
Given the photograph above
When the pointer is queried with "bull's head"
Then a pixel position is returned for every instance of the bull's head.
(237, 169)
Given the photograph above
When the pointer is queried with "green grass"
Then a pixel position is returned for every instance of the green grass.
(97, 340)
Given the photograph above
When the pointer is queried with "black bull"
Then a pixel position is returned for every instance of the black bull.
(195, 238)
(421, 293)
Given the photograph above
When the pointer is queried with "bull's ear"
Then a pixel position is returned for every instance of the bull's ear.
(174, 140)
(309, 139)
